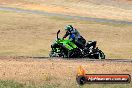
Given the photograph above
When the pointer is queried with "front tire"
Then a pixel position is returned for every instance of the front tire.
(53, 54)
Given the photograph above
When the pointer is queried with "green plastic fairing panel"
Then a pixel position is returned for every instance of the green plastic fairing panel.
(67, 43)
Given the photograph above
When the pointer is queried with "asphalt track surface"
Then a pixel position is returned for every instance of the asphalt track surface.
(77, 59)
(2, 8)
(70, 17)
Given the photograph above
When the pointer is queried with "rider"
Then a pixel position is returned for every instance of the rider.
(75, 36)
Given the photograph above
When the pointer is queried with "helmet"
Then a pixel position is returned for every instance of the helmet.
(68, 27)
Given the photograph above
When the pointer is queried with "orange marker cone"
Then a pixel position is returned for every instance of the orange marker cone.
(81, 71)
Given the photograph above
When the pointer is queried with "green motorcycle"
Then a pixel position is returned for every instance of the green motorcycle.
(67, 49)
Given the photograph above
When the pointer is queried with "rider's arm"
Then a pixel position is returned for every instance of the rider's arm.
(67, 33)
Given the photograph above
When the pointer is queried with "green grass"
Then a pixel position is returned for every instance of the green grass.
(8, 53)
(1, 11)
(12, 84)
(107, 86)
